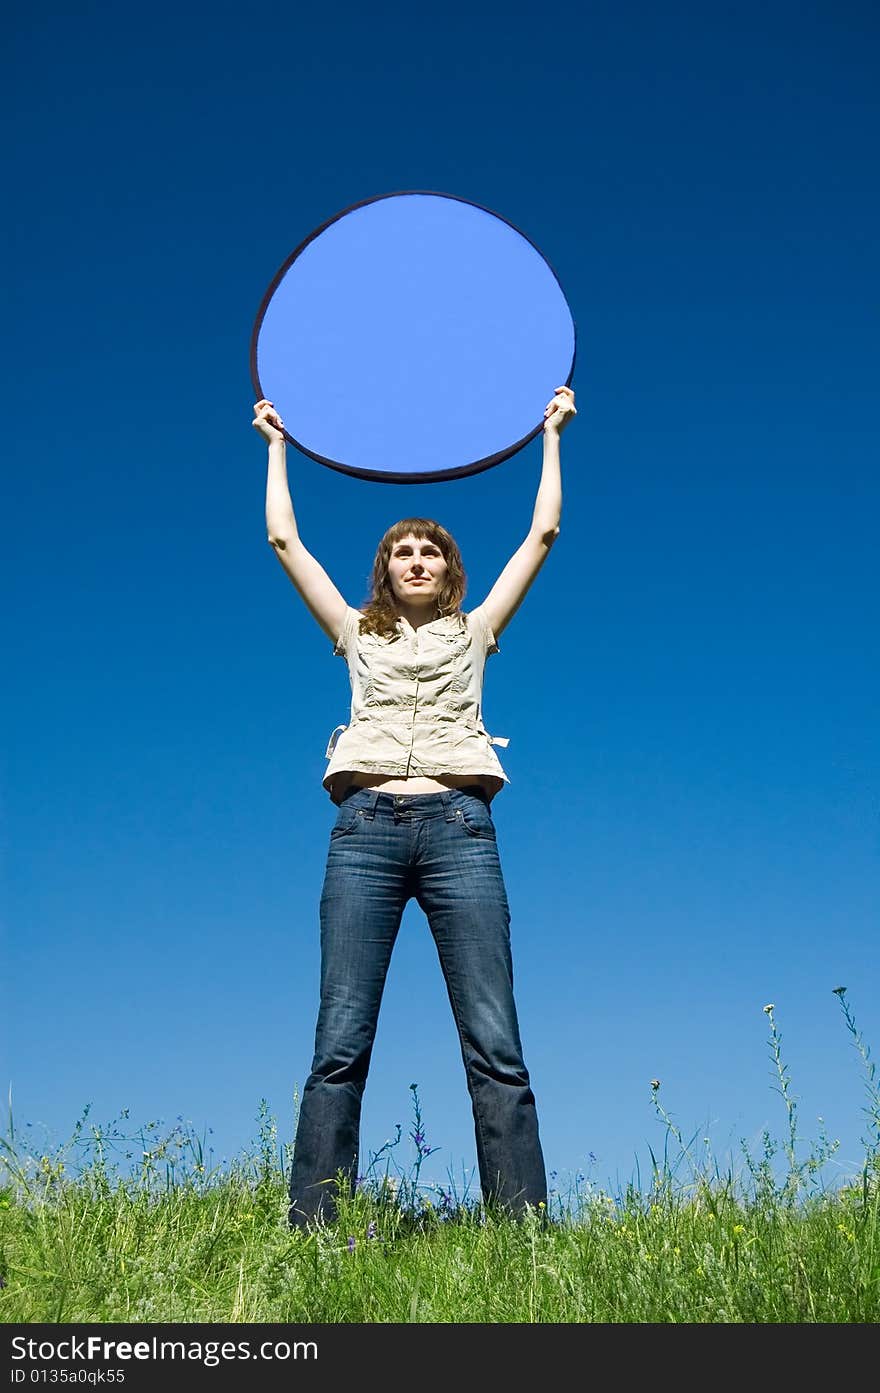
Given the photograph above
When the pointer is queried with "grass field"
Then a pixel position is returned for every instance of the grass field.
(177, 1242)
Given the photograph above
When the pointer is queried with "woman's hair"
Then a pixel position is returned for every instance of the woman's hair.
(381, 614)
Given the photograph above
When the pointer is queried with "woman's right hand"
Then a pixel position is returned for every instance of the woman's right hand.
(267, 421)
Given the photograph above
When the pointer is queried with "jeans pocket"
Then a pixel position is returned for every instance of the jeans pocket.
(476, 819)
(348, 821)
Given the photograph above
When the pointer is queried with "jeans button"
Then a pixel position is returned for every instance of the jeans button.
(398, 800)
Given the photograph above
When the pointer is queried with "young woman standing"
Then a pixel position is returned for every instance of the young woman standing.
(413, 774)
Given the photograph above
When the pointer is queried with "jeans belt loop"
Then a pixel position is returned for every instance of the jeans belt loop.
(446, 800)
(370, 810)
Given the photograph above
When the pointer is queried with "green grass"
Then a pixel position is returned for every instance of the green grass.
(179, 1243)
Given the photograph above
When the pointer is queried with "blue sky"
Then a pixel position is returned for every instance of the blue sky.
(690, 689)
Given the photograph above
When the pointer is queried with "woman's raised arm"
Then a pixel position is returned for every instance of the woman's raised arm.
(509, 590)
(309, 577)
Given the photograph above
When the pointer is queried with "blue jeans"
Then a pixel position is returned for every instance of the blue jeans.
(440, 848)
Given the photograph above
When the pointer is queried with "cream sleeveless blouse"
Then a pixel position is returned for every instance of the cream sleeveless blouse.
(415, 702)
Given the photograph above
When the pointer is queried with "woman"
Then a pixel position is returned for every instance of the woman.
(413, 775)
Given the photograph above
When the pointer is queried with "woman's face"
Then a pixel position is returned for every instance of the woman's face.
(417, 571)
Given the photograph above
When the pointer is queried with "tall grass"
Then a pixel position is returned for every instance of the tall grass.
(178, 1240)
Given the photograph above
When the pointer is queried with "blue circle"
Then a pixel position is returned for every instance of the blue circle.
(413, 337)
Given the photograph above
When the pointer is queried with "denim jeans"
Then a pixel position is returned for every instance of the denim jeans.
(384, 849)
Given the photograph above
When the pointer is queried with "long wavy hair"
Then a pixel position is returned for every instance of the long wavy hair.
(381, 614)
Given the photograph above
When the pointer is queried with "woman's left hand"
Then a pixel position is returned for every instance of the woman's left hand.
(559, 411)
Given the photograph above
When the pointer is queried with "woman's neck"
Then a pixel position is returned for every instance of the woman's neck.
(417, 615)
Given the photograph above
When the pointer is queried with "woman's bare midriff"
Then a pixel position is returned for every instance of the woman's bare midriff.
(387, 783)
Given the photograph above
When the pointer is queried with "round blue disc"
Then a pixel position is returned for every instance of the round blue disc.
(413, 337)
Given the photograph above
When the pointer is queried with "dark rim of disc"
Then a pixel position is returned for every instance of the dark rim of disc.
(383, 476)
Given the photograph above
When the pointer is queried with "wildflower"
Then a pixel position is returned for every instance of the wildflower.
(770, 1007)
(351, 1243)
(655, 1084)
(371, 1229)
(839, 991)
(739, 1228)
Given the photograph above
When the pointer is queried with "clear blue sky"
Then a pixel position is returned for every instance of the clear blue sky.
(690, 689)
